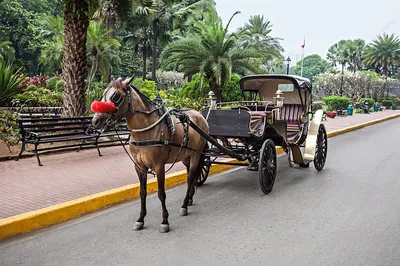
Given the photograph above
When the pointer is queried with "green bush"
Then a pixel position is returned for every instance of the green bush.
(387, 103)
(55, 84)
(370, 101)
(231, 91)
(34, 97)
(181, 102)
(193, 90)
(336, 102)
(9, 132)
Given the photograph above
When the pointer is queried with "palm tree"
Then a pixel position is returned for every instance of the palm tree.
(101, 51)
(212, 52)
(383, 53)
(354, 51)
(52, 49)
(256, 34)
(74, 65)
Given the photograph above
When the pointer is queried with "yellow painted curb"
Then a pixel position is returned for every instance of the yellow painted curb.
(41, 218)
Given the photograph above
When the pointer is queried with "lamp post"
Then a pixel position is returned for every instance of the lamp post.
(287, 64)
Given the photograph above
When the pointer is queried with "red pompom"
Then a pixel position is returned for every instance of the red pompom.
(103, 107)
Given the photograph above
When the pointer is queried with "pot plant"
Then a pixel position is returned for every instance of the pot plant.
(331, 114)
(334, 103)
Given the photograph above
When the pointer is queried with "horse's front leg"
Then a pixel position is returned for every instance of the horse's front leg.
(160, 171)
(143, 194)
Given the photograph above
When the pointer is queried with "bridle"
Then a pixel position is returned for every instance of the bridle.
(117, 99)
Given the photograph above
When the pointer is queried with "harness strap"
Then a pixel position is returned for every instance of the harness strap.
(158, 143)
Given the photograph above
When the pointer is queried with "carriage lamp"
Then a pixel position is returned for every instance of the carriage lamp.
(279, 99)
(211, 100)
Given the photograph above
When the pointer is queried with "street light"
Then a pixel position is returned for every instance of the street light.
(287, 64)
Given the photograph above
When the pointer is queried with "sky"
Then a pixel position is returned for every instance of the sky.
(320, 23)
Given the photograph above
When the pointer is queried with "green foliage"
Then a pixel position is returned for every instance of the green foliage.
(55, 84)
(387, 103)
(148, 87)
(231, 91)
(370, 101)
(210, 50)
(9, 82)
(95, 91)
(181, 102)
(336, 102)
(43, 97)
(193, 89)
(383, 52)
(312, 66)
(18, 25)
(9, 132)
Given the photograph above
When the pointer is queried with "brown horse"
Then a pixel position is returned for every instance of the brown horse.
(148, 123)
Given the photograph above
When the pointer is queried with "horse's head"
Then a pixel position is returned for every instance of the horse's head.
(113, 105)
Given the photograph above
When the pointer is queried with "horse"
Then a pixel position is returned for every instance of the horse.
(153, 141)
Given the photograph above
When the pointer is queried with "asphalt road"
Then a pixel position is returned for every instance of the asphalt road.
(347, 214)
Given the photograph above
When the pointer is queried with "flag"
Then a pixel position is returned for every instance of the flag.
(304, 44)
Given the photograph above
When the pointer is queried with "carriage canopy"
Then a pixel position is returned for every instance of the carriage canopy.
(295, 89)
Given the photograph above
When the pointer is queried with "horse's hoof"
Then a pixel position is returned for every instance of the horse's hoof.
(190, 202)
(138, 226)
(164, 228)
(183, 212)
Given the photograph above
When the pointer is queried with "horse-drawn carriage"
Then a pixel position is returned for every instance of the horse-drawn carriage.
(275, 112)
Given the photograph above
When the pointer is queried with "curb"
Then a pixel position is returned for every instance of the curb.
(26, 222)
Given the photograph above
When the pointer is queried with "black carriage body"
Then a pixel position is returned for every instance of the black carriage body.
(249, 130)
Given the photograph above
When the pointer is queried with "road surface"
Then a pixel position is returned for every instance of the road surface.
(347, 214)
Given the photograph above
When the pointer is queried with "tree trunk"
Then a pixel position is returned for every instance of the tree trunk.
(154, 57)
(144, 58)
(112, 27)
(74, 66)
(217, 91)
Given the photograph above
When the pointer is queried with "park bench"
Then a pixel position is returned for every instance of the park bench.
(64, 133)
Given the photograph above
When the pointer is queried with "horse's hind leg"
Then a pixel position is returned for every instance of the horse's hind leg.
(186, 162)
(160, 171)
(143, 194)
(190, 189)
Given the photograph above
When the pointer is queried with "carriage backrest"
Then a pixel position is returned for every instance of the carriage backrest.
(291, 113)
(293, 91)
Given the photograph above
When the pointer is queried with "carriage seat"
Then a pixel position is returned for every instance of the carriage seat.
(291, 114)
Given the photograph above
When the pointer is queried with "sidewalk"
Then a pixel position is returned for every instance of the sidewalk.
(24, 186)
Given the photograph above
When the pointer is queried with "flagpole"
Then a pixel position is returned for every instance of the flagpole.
(302, 57)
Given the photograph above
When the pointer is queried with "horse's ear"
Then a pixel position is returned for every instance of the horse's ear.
(127, 81)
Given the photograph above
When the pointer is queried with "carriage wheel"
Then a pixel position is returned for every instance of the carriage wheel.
(267, 166)
(321, 149)
(205, 170)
